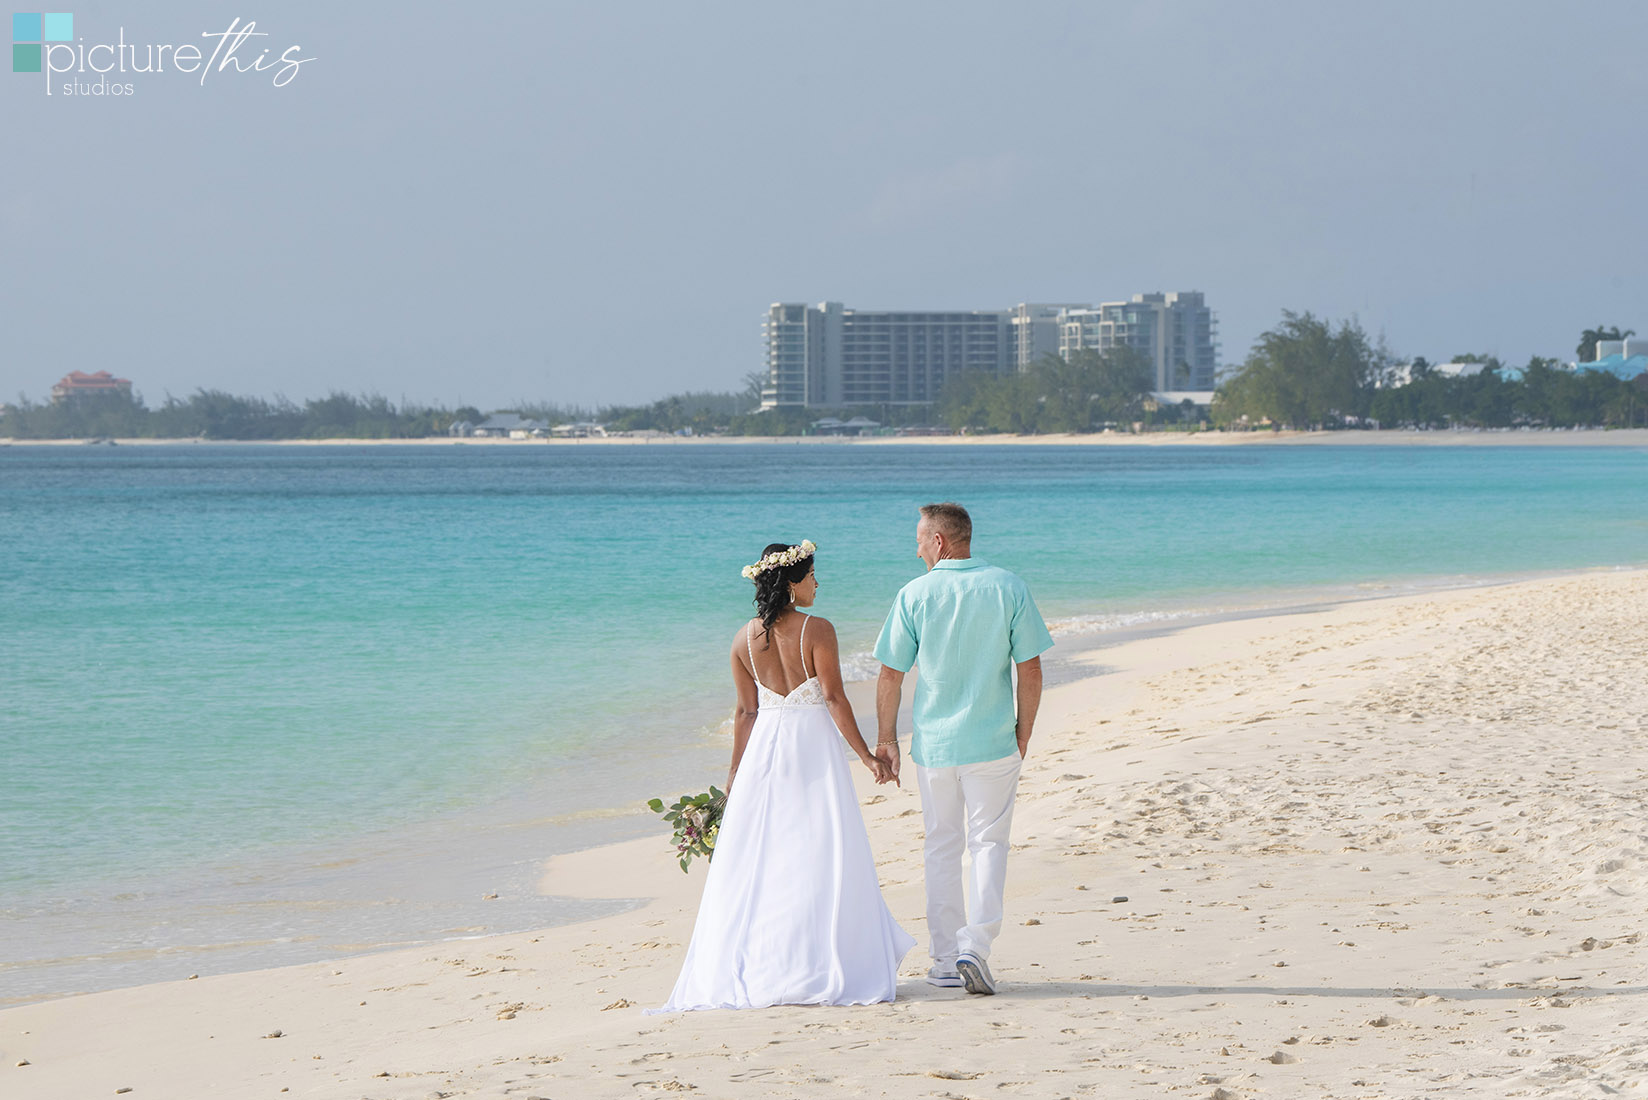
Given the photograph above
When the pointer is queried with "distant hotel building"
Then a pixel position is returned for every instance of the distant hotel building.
(833, 357)
(1036, 328)
(1176, 333)
(76, 383)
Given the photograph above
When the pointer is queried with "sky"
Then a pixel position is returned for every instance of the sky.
(594, 204)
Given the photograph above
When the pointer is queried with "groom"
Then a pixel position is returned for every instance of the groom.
(967, 624)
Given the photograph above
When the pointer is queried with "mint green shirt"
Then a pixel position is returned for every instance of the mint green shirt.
(966, 623)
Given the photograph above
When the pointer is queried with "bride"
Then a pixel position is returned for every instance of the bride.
(792, 912)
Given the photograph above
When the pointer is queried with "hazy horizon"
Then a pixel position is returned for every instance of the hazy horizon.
(591, 207)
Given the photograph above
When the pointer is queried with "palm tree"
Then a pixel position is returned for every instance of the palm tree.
(754, 382)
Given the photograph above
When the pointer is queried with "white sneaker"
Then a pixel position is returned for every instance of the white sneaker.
(975, 975)
(945, 977)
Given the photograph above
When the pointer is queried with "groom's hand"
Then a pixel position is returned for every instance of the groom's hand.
(887, 753)
(889, 686)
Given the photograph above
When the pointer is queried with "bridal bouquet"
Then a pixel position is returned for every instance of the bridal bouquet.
(696, 819)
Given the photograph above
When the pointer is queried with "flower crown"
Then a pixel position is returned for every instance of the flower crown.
(780, 558)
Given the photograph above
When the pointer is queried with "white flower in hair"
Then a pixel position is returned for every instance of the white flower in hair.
(779, 558)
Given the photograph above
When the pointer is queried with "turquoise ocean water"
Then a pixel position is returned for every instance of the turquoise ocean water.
(266, 704)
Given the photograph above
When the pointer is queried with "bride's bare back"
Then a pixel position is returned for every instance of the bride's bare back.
(780, 659)
(797, 649)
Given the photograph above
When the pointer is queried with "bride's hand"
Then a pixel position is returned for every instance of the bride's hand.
(878, 768)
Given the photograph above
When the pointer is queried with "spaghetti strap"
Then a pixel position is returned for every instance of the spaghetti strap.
(749, 631)
(802, 644)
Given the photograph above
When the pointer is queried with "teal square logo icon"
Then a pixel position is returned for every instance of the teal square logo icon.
(31, 30)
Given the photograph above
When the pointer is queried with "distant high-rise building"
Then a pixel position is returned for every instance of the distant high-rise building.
(794, 336)
(1175, 332)
(830, 356)
(1036, 328)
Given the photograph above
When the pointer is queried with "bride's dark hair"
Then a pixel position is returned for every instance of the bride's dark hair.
(772, 587)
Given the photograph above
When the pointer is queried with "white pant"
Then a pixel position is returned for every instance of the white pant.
(970, 805)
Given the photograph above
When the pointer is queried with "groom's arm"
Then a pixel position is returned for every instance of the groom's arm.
(1029, 701)
(889, 693)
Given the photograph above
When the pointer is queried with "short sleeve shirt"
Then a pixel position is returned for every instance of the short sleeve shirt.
(965, 623)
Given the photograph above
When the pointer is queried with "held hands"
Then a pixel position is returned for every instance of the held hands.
(878, 768)
(886, 753)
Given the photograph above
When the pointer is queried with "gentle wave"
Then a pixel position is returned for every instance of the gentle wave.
(1079, 625)
(860, 666)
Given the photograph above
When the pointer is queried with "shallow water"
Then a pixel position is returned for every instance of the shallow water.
(299, 701)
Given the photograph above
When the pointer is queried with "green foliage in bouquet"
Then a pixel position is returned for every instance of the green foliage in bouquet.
(696, 819)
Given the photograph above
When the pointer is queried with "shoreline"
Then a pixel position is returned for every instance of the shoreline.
(1376, 795)
(1540, 437)
(314, 879)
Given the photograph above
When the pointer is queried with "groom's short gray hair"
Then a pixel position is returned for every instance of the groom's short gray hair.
(951, 519)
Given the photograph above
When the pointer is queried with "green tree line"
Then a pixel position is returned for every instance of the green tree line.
(214, 414)
(1309, 373)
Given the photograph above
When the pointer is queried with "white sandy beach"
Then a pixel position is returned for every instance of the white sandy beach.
(1390, 849)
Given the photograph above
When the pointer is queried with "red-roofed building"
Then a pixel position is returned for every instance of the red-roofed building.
(76, 383)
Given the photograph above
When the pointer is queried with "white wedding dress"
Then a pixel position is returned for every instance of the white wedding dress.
(792, 912)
